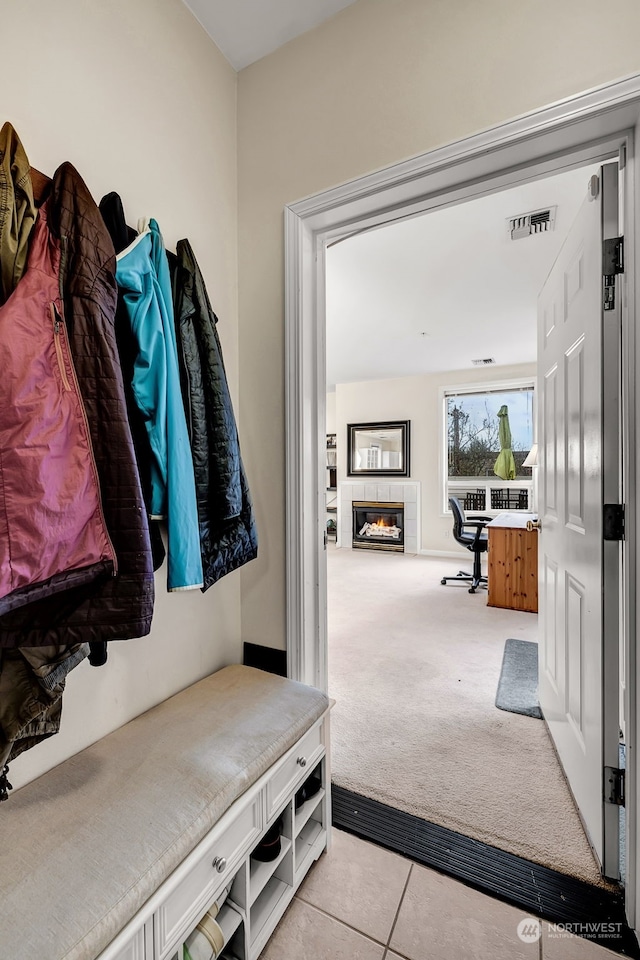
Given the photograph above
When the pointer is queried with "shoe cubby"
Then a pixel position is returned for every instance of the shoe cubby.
(262, 890)
(309, 823)
(231, 925)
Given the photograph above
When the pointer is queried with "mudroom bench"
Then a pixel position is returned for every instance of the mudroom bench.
(119, 852)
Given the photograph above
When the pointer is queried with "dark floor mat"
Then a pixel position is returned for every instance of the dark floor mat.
(518, 684)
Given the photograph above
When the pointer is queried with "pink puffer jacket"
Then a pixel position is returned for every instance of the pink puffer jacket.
(52, 530)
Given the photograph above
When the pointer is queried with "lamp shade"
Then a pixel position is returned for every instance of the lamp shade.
(531, 459)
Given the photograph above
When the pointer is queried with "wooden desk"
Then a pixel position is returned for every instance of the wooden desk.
(513, 563)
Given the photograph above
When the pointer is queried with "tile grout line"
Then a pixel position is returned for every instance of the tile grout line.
(368, 936)
(395, 919)
(325, 913)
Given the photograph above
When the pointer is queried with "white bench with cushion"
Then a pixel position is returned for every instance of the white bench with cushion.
(119, 851)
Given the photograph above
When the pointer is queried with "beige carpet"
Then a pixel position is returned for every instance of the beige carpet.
(414, 668)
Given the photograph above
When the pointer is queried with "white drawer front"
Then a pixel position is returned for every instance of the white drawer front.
(186, 904)
(306, 754)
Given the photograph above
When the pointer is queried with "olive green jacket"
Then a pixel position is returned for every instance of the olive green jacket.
(17, 210)
(32, 682)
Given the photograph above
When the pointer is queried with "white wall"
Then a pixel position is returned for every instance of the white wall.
(139, 99)
(378, 83)
(417, 399)
(331, 412)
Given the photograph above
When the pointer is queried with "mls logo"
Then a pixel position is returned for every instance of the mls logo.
(529, 930)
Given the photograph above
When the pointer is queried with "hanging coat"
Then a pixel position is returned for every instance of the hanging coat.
(112, 213)
(142, 273)
(17, 210)
(111, 607)
(52, 528)
(227, 529)
(32, 681)
(54, 539)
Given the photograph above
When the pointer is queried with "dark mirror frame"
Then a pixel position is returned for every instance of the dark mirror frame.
(402, 426)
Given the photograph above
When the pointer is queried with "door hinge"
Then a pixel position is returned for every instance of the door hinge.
(614, 786)
(612, 265)
(613, 521)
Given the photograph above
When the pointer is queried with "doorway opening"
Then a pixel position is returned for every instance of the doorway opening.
(586, 129)
(415, 669)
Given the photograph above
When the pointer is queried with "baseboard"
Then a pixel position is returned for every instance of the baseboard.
(538, 891)
(447, 554)
(265, 658)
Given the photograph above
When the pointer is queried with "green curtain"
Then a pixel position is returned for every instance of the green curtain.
(505, 465)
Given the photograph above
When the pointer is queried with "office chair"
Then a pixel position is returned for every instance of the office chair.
(477, 541)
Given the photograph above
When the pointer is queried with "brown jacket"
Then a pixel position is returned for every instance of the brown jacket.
(31, 685)
(17, 210)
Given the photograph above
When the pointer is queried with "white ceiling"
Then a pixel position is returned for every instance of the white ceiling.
(423, 295)
(246, 30)
(438, 291)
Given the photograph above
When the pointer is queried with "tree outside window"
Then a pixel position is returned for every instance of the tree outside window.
(472, 430)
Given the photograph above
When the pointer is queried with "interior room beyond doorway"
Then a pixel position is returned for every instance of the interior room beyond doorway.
(430, 655)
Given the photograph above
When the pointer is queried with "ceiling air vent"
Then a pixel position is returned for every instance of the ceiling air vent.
(484, 362)
(537, 221)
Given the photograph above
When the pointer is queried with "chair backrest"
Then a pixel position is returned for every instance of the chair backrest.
(458, 516)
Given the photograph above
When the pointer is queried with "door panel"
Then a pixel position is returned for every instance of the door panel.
(572, 414)
(575, 656)
(574, 473)
(550, 419)
(549, 623)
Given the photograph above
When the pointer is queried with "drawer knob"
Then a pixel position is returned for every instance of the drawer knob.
(220, 864)
(302, 761)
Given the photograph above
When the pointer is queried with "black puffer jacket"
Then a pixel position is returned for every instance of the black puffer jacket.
(228, 535)
(113, 608)
(112, 213)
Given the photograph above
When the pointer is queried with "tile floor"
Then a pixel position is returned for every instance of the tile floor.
(360, 902)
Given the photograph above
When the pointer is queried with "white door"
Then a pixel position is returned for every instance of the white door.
(578, 359)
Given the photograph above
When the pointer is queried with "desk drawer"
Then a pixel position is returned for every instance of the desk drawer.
(295, 768)
(187, 903)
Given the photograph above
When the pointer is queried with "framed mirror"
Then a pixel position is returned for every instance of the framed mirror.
(378, 449)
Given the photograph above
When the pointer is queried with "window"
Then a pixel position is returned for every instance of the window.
(472, 439)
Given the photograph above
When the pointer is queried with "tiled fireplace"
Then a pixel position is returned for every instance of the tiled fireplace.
(378, 526)
(384, 495)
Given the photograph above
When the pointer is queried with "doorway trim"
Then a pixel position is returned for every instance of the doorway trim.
(584, 129)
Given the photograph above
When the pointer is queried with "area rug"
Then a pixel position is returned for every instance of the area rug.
(518, 684)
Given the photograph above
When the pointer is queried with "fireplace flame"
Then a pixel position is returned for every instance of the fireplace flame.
(383, 526)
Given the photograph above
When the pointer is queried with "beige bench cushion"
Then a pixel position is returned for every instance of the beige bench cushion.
(84, 846)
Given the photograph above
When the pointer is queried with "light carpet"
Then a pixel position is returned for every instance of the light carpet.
(414, 666)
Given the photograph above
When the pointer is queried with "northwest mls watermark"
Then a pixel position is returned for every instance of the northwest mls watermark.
(530, 930)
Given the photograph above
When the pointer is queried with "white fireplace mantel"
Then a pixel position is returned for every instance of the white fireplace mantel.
(389, 491)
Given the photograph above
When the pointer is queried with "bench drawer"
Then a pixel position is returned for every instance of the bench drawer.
(296, 767)
(188, 902)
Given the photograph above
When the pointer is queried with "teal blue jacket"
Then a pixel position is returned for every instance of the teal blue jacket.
(142, 273)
